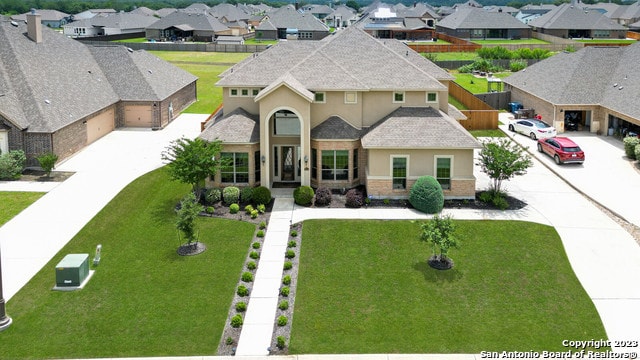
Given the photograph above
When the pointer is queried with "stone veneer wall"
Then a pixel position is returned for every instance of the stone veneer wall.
(382, 188)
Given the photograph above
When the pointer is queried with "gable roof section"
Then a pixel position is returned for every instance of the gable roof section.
(586, 77)
(418, 128)
(290, 82)
(567, 16)
(138, 75)
(122, 21)
(288, 18)
(46, 15)
(473, 18)
(349, 60)
(335, 128)
(200, 22)
(41, 81)
(239, 127)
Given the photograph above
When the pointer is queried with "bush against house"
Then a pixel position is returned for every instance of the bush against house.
(630, 143)
(47, 162)
(12, 165)
(426, 195)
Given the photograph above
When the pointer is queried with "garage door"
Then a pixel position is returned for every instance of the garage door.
(137, 116)
(100, 126)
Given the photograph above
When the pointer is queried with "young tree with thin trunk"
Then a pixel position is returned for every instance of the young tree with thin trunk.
(502, 160)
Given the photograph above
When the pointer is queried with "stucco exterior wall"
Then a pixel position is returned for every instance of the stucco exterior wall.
(233, 102)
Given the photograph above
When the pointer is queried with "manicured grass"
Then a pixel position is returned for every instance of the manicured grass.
(606, 41)
(455, 102)
(487, 133)
(429, 42)
(453, 56)
(510, 42)
(475, 85)
(365, 287)
(144, 299)
(260, 42)
(136, 40)
(14, 202)
(206, 66)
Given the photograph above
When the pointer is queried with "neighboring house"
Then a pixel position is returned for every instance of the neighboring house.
(188, 26)
(530, 12)
(165, 11)
(59, 95)
(477, 24)
(287, 23)
(50, 18)
(110, 24)
(573, 21)
(319, 11)
(346, 111)
(197, 8)
(501, 9)
(88, 14)
(341, 17)
(596, 86)
(143, 10)
(384, 23)
(621, 14)
(228, 13)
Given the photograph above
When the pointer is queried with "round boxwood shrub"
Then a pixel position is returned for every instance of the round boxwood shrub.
(261, 195)
(353, 199)
(323, 196)
(210, 210)
(254, 255)
(231, 195)
(246, 194)
(293, 233)
(236, 321)
(303, 195)
(282, 320)
(213, 195)
(290, 254)
(234, 208)
(285, 291)
(292, 244)
(426, 195)
(242, 291)
(260, 233)
(630, 143)
(286, 280)
(251, 265)
(263, 224)
(255, 245)
(241, 306)
(281, 342)
(283, 305)
(287, 265)
(247, 276)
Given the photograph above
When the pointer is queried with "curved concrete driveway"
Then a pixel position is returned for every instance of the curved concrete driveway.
(102, 169)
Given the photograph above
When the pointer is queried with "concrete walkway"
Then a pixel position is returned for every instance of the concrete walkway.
(102, 169)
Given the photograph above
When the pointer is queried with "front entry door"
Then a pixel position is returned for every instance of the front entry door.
(287, 163)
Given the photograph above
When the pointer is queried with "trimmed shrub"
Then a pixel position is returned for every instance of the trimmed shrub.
(263, 225)
(242, 291)
(637, 152)
(285, 291)
(246, 194)
(234, 208)
(261, 195)
(210, 210)
(229, 341)
(212, 196)
(236, 321)
(251, 265)
(231, 195)
(283, 305)
(247, 276)
(426, 195)
(47, 162)
(323, 196)
(293, 233)
(241, 306)
(254, 255)
(287, 265)
(254, 214)
(303, 195)
(282, 320)
(281, 342)
(261, 208)
(292, 244)
(353, 199)
(290, 254)
(260, 233)
(256, 245)
(286, 279)
(248, 209)
(12, 164)
(630, 143)
(500, 202)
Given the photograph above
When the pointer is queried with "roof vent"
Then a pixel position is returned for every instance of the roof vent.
(615, 85)
(129, 49)
(14, 23)
(150, 72)
(47, 101)
(621, 87)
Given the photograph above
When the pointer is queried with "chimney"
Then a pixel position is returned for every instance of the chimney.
(34, 26)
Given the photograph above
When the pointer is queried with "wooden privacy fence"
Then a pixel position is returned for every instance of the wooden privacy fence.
(480, 116)
(455, 45)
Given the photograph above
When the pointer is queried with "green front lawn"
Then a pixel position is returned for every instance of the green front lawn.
(475, 85)
(206, 66)
(365, 287)
(487, 133)
(14, 202)
(144, 299)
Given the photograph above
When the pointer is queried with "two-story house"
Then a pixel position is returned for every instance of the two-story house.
(342, 112)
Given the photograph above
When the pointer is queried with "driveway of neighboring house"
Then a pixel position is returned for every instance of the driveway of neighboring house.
(102, 169)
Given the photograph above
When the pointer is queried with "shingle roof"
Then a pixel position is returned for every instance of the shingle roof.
(49, 85)
(139, 75)
(143, 10)
(567, 16)
(586, 77)
(230, 12)
(122, 21)
(46, 15)
(418, 128)
(288, 18)
(201, 22)
(335, 128)
(349, 60)
(473, 18)
(238, 127)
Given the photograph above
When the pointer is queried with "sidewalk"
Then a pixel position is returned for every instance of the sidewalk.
(102, 169)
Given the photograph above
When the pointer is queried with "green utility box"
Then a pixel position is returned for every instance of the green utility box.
(72, 270)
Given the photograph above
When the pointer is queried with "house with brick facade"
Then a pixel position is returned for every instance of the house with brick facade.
(59, 95)
(345, 111)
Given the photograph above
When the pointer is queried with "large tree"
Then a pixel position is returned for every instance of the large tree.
(502, 160)
(191, 161)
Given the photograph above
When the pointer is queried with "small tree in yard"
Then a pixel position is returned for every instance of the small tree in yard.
(191, 161)
(439, 232)
(186, 223)
(47, 162)
(502, 160)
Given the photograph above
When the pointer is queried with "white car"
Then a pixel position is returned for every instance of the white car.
(533, 128)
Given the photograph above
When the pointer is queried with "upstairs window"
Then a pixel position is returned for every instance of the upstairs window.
(398, 97)
(432, 97)
(319, 97)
